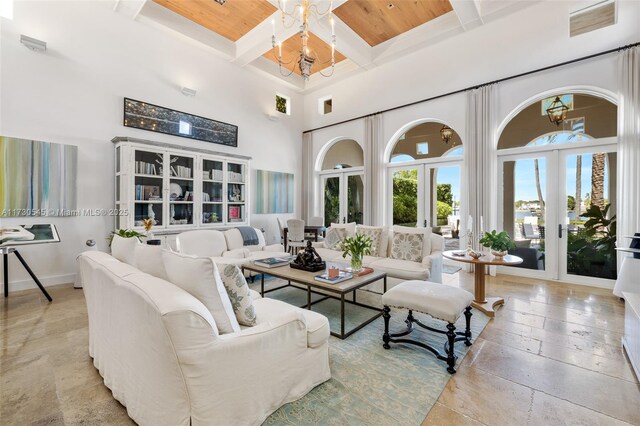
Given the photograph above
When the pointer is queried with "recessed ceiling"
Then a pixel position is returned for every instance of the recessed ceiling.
(291, 52)
(232, 20)
(377, 21)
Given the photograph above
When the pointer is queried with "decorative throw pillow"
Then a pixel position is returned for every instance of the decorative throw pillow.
(124, 249)
(334, 238)
(426, 232)
(199, 276)
(375, 234)
(407, 247)
(238, 291)
(350, 227)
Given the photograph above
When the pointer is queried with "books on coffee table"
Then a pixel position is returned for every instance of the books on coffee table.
(273, 262)
(342, 276)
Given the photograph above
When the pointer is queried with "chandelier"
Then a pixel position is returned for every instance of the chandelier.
(557, 111)
(301, 12)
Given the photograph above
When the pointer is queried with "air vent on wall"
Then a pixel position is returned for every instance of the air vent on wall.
(591, 16)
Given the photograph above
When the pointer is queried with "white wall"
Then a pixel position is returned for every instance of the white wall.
(528, 39)
(73, 94)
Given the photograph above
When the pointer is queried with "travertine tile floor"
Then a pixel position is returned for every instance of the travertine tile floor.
(552, 356)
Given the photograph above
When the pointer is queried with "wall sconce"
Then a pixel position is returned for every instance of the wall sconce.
(188, 92)
(33, 43)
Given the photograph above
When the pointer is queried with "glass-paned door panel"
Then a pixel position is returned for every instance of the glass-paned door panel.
(524, 215)
(180, 190)
(147, 210)
(331, 200)
(355, 199)
(405, 197)
(444, 199)
(588, 231)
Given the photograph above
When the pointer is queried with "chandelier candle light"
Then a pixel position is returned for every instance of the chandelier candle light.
(301, 13)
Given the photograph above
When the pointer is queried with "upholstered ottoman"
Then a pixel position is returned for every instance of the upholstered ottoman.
(440, 301)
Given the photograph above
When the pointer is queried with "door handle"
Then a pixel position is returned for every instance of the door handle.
(559, 231)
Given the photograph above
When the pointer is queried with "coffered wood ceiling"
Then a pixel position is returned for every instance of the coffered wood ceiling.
(376, 22)
(232, 20)
(291, 52)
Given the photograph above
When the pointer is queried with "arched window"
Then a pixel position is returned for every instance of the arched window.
(425, 141)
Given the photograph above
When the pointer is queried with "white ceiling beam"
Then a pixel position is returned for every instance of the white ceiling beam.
(468, 13)
(348, 42)
(258, 41)
(271, 69)
(162, 18)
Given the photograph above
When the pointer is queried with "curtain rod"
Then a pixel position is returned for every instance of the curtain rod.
(455, 92)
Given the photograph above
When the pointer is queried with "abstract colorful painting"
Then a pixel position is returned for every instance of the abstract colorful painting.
(37, 178)
(274, 192)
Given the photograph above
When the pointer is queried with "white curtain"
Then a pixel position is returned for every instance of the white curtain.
(628, 193)
(373, 169)
(481, 160)
(307, 176)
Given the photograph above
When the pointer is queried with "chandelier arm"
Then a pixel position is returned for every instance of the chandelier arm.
(333, 68)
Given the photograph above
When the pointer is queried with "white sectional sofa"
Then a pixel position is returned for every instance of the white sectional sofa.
(159, 350)
(226, 246)
(429, 269)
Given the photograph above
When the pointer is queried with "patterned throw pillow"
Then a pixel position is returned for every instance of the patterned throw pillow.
(334, 238)
(238, 291)
(375, 234)
(407, 247)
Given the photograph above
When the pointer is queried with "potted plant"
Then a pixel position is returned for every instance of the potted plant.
(125, 233)
(499, 243)
(357, 246)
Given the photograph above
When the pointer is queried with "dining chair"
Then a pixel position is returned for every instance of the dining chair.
(295, 235)
(281, 224)
(314, 221)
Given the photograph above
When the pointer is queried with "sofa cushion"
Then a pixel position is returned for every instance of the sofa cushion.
(329, 255)
(238, 291)
(349, 227)
(149, 260)
(200, 277)
(258, 255)
(124, 249)
(202, 242)
(403, 269)
(378, 239)
(317, 324)
(234, 239)
(334, 237)
(426, 239)
(406, 246)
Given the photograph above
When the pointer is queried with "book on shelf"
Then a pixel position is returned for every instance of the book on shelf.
(144, 168)
(147, 192)
(342, 276)
(273, 262)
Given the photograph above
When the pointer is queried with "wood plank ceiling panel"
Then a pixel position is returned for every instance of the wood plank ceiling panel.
(232, 20)
(377, 21)
(291, 52)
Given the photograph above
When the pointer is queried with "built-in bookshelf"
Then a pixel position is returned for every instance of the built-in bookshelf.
(179, 187)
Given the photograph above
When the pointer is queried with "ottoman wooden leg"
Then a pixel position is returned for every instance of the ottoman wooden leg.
(385, 336)
(451, 357)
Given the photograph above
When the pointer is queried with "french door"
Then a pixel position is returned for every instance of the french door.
(343, 197)
(425, 195)
(556, 204)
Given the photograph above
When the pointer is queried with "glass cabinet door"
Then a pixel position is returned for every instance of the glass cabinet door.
(180, 190)
(212, 192)
(236, 192)
(148, 188)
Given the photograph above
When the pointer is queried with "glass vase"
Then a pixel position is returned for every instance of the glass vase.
(356, 263)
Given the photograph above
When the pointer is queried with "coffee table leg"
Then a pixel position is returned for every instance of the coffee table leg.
(342, 316)
(262, 285)
(309, 297)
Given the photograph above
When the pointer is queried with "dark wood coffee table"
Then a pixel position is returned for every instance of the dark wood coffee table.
(337, 291)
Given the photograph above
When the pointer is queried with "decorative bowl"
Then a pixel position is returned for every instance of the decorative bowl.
(474, 254)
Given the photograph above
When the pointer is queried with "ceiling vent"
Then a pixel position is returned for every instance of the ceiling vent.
(590, 16)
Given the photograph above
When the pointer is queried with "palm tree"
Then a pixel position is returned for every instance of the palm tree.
(597, 180)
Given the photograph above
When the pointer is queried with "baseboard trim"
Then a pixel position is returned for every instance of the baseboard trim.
(46, 281)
